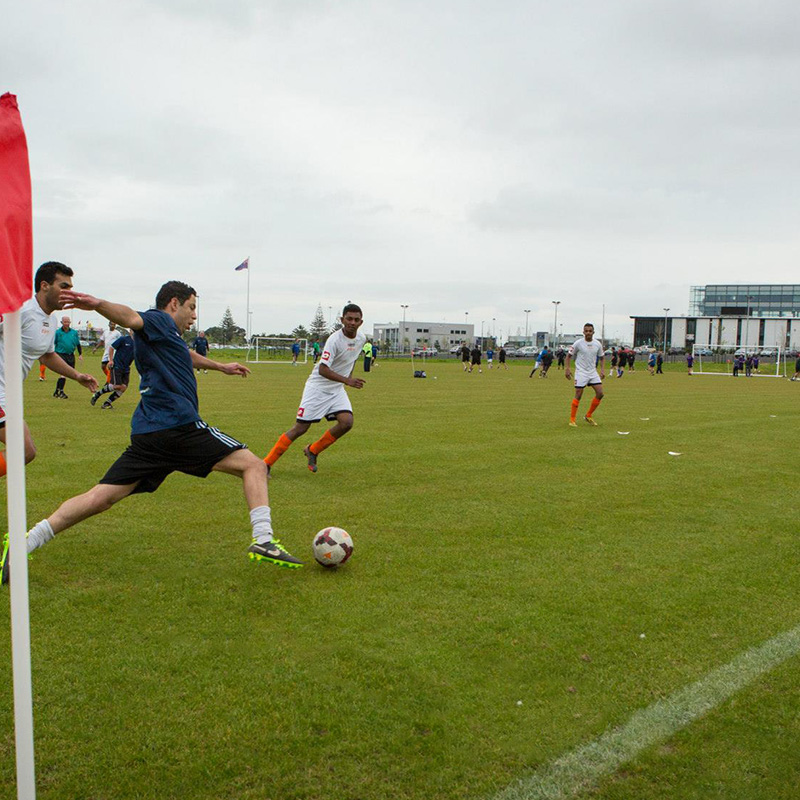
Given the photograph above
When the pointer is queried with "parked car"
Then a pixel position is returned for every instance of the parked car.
(767, 354)
(528, 351)
(676, 351)
(428, 352)
(703, 351)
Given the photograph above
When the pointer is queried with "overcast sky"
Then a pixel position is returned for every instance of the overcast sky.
(453, 155)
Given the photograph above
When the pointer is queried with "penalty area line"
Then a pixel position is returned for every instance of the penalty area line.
(581, 768)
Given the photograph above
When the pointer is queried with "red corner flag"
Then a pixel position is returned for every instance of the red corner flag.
(16, 227)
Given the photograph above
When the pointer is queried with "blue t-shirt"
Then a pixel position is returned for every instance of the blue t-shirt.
(200, 345)
(123, 353)
(296, 348)
(168, 388)
(490, 353)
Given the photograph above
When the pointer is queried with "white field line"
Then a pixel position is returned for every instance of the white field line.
(577, 771)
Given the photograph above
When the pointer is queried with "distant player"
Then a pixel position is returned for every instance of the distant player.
(475, 359)
(561, 356)
(547, 362)
(324, 394)
(690, 363)
(501, 358)
(295, 351)
(587, 352)
(489, 357)
(66, 342)
(200, 346)
(536, 364)
(317, 350)
(375, 350)
(367, 350)
(106, 339)
(651, 363)
(659, 364)
(119, 366)
(38, 330)
(465, 357)
(796, 375)
(167, 433)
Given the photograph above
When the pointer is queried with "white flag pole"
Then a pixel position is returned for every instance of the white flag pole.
(247, 320)
(18, 555)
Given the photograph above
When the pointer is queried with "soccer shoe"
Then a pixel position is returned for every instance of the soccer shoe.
(273, 553)
(63, 396)
(312, 458)
(95, 397)
(4, 562)
(107, 405)
(573, 424)
(591, 421)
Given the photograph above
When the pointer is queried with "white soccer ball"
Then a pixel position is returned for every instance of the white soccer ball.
(332, 547)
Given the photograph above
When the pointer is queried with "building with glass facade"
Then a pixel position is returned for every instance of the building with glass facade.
(742, 300)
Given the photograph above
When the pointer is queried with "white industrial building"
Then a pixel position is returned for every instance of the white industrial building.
(409, 335)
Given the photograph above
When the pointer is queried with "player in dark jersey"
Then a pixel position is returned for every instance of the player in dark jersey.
(167, 433)
(465, 356)
(475, 359)
(119, 367)
(501, 357)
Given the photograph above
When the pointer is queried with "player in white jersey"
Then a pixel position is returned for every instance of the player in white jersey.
(324, 394)
(106, 340)
(587, 352)
(38, 337)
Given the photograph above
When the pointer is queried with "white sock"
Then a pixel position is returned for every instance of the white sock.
(39, 534)
(261, 521)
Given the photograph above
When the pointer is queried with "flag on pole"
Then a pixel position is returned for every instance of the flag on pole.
(16, 229)
(244, 265)
(16, 286)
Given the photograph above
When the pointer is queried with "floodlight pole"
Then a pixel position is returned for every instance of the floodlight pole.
(527, 311)
(747, 325)
(666, 311)
(403, 333)
(556, 303)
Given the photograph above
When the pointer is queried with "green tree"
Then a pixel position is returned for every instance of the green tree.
(300, 333)
(319, 328)
(232, 334)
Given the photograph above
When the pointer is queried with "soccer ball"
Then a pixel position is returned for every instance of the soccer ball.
(332, 547)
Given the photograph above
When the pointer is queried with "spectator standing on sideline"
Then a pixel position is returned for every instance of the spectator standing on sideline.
(367, 350)
(659, 364)
(67, 340)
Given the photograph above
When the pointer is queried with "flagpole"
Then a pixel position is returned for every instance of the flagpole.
(247, 320)
(18, 555)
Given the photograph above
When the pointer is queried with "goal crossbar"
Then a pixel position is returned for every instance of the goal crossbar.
(276, 350)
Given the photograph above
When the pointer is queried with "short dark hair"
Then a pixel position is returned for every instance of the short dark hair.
(172, 289)
(352, 308)
(48, 271)
(591, 325)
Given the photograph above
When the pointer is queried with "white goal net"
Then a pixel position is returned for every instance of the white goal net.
(748, 362)
(274, 350)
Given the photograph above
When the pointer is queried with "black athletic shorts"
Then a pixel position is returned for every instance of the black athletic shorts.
(193, 449)
(69, 358)
(120, 377)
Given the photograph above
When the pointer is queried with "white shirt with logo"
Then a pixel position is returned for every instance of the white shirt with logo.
(38, 338)
(339, 354)
(586, 355)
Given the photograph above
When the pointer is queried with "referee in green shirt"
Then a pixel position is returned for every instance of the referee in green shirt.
(67, 341)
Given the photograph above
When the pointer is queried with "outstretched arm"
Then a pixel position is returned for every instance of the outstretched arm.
(57, 364)
(116, 312)
(201, 362)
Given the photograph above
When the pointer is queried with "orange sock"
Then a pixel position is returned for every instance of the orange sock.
(107, 374)
(593, 406)
(325, 441)
(574, 411)
(42, 370)
(280, 447)
(2, 465)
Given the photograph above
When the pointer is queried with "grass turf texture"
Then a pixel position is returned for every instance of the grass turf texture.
(499, 556)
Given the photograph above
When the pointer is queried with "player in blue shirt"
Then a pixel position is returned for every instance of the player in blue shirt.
(295, 352)
(119, 367)
(167, 433)
(200, 345)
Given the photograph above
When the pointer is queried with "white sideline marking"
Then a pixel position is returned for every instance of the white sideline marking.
(578, 770)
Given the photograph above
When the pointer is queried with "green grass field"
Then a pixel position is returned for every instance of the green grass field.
(500, 556)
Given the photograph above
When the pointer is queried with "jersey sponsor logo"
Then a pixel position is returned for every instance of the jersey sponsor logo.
(300, 411)
(326, 355)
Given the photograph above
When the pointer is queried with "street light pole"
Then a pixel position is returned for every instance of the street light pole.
(482, 321)
(556, 303)
(666, 311)
(403, 332)
(527, 311)
(747, 325)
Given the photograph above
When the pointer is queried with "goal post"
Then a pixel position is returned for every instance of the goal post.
(275, 350)
(721, 359)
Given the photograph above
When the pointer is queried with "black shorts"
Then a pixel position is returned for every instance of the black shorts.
(69, 358)
(120, 377)
(193, 449)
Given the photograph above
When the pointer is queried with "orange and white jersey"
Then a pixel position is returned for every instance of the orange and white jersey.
(38, 338)
(339, 354)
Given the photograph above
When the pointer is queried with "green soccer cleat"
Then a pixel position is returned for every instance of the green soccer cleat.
(4, 562)
(273, 553)
(591, 421)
